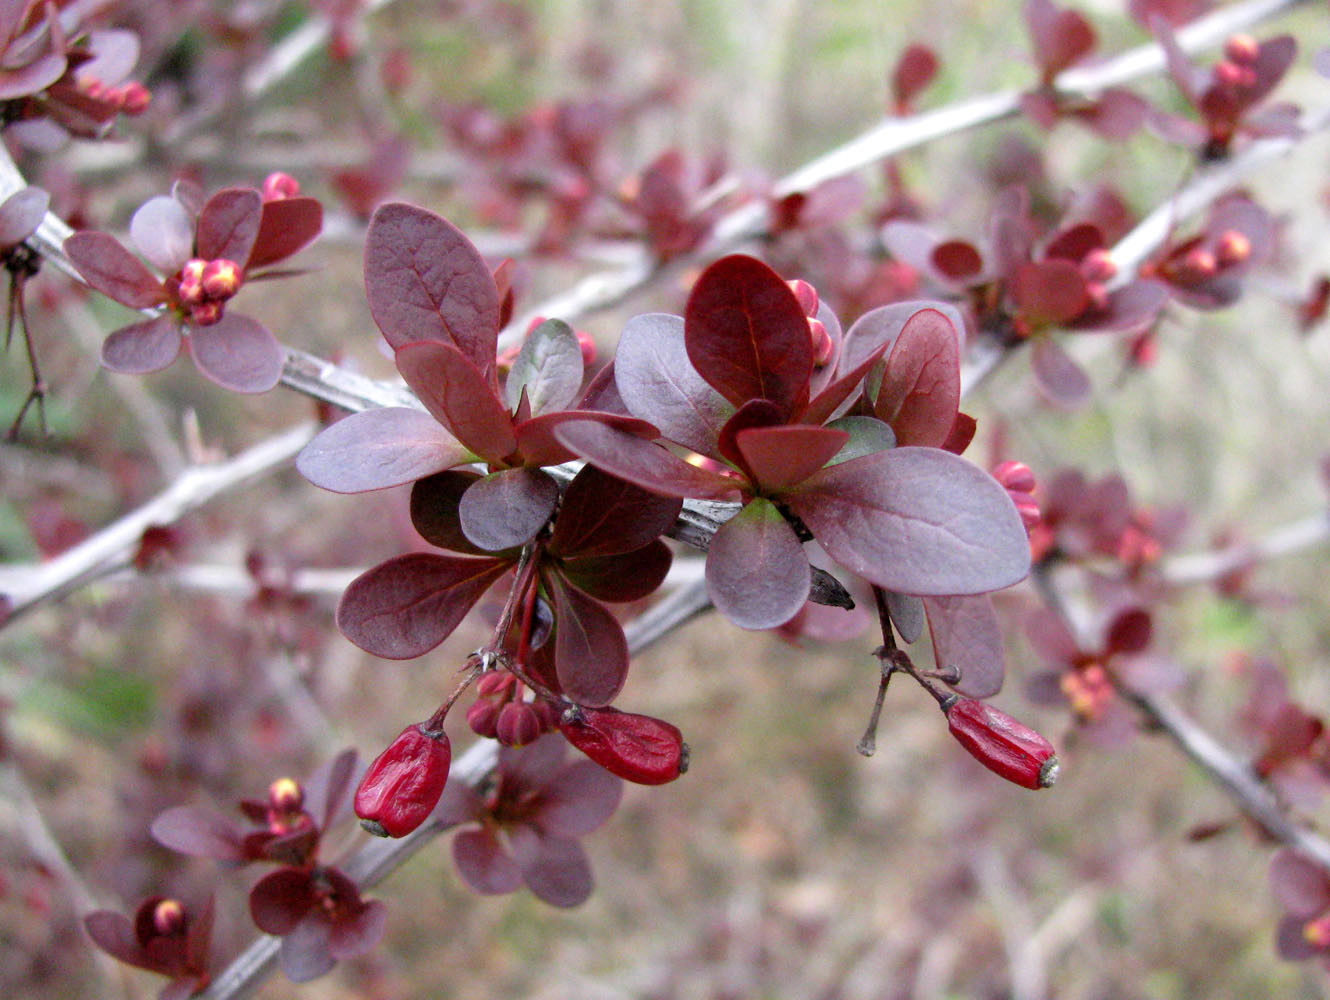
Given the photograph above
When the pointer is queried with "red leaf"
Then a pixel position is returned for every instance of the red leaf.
(229, 224)
(377, 449)
(918, 521)
(1060, 36)
(625, 576)
(426, 281)
(920, 392)
(641, 462)
(782, 457)
(590, 651)
(406, 606)
(757, 573)
(434, 510)
(747, 336)
(538, 441)
(459, 396)
(280, 900)
(199, 833)
(1059, 375)
(112, 270)
(1050, 291)
(237, 353)
(602, 516)
(287, 226)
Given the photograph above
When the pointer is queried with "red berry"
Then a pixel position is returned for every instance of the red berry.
(635, 747)
(403, 785)
(1002, 744)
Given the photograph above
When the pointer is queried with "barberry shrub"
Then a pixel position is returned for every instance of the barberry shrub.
(948, 419)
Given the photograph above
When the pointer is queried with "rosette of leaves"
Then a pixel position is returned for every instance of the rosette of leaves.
(734, 381)
(164, 937)
(1228, 97)
(604, 547)
(528, 821)
(57, 78)
(234, 226)
(439, 308)
(1029, 288)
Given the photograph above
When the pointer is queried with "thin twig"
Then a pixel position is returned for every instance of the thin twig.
(1207, 567)
(116, 543)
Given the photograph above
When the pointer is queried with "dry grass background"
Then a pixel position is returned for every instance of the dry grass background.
(783, 865)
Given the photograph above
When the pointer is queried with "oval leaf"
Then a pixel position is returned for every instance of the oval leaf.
(434, 504)
(426, 281)
(967, 642)
(626, 576)
(112, 270)
(229, 225)
(747, 336)
(549, 368)
(287, 226)
(658, 383)
(590, 651)
(781, 457)
(637, 461)
(406, 606)
(602, 515)
(21, 213)
(757, 573)
(143, 347)
(920, 392)
(163, 231)
(918, 521)
(457, 393)
(505, 509)
(237, 353)
(379, 448)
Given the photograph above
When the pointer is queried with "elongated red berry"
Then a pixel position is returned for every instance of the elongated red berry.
(634, 747)
(1003, 745)
(403, 785)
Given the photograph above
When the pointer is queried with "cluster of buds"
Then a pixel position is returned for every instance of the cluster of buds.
(1237, 70)
(203, 286)
(823, 346)
(1003, 745)
(1019, 482)
(1089, 690)
(1098, 268)
(403, 785)
(129, 98)
(500, 713)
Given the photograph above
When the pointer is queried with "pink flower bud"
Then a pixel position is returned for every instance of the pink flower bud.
(1098, 265)
(635, 747)
(1015, 476)
(588, 345)
(806, 294)
(823, 346)
(517, 725)
(221, 279)
(286, 796)
(496, 684)
(206, 313)
(1242, 49)
(168, 918)
(403, 785)
(191, 281)
(1200, 263)
(278, 186)
(1233, 248)
(1002, 744)
(483, 718)
(135, 98)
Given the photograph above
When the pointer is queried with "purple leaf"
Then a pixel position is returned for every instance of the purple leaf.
(538, 442)
(1300, 885)
(602, 394)
(406, 606)
(625, 576)
(554, 868)
(379, 448)
(641, 462)
(920, 393)
(358, 935)
(548, 368)
(426, 281)
(1130, 309)
(753, 414)
(23, 81)
(579, 799)
(280, 900)
(147, 346)
(483, 863)
(114, 934)
(326, 788)
(114, 54)
(1050, 291)
(658, 383)
(238, 353)
(918, 521)
(1129, 631)
(163, 231)
(1117, 114)
(304, 954)
(435, 501)
(907, 614)
(459, 396)
(229, 225)
(782, 457)
(287, 226)
(112, 270)
(603, 516)
(590, 651)
(21, 213)
(1059, 375)
(505, 509)
(757, 573)
(199, 833)
(747, 336)
(967, 642)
